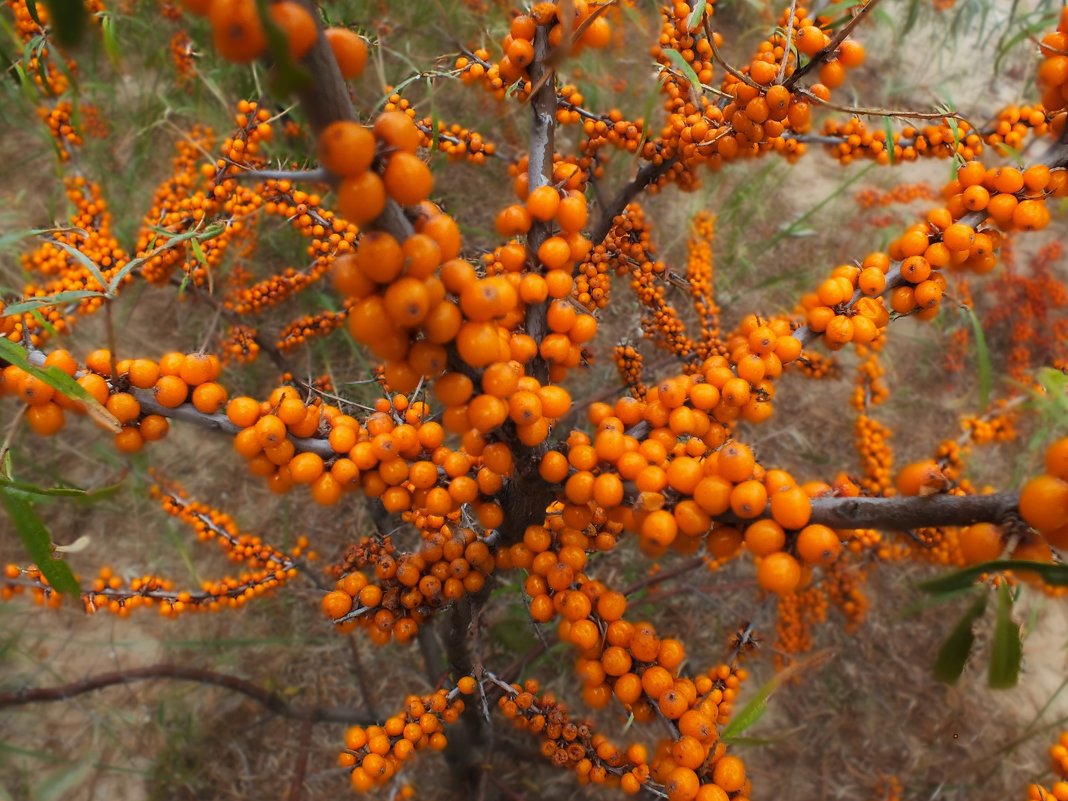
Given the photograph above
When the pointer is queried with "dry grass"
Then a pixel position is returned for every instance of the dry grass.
(872, 710)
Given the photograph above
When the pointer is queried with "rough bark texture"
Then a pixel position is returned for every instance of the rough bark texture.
(907, 512)
(540, 173)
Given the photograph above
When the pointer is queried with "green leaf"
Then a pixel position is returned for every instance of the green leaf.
(697, 15)
(198, 252)
(1028, 31)
(751, 712)
(53, 300)
(791, 228)
(25, 84)
(31, 6)
(83, 260)
(67, 20)
(27, 489)
(953, 655)
(1054, 575)
(889, 139)
(37, 541)
(41, 321)
(111, 43)
(982, 355)
(1007, 652)
(755, 709)
(59, 381)
(7, 240)
(935, 600)
(958, 159)
(197, 236)
(684, 67)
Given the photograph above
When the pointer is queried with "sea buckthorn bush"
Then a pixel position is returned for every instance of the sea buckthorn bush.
(507, 419)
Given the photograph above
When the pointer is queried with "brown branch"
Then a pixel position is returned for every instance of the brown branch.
(665, 575)
(540, 173)
(273, 702)
(361, 676)
(188, 413)
(833, 45)
(910, 511)
(647, 175)
(296, 788)
(881, 112)
(718, 58)
(325, 98)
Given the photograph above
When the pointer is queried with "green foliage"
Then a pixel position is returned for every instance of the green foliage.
(1054, 575)
(982, 357)
(953, 655)
(756, 707)
(67, 20)
(683, 66)
(1007, 651)
(59, 381)
(37, 541)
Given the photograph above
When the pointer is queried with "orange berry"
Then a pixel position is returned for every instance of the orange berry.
(981, 543)
(543, 203)
(45, 419)
(209, 397)
(336, 604)
(921, 478)
(791, 507)
(749, 499)
(764, 537)
(397, 130)
(1057, 459)
(818, 544)
(407, 178)
(346, 148)
(362, 198)
(1044, 502)
(729, 773)
(350, 51)
(237, 30)
(197, 368)
(778, 573)
(297, 24)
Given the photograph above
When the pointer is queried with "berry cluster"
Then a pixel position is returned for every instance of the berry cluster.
(376, 753)
(267, 568)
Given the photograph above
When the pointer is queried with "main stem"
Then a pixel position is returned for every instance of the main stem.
(540, 173)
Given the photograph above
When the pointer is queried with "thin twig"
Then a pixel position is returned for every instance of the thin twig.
(647, 175)
(272, 701)
(881, 112)
(741, 76)
(296, 788)
(789, 42)
(833, 45)
(316, 176)
(657, 578)
(361, 677)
